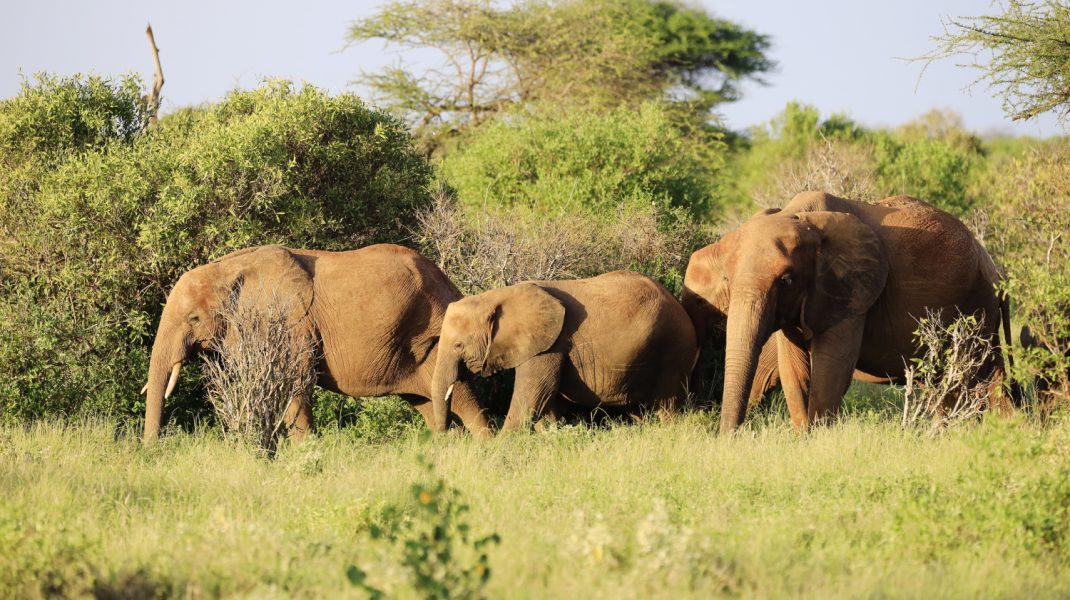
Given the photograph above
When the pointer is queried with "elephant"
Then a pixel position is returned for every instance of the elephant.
(374, 314)
(841, 284)
(619, 340)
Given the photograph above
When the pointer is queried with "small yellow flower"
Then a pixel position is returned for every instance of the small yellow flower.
(425, 498)
(597, 553)
(480, 569)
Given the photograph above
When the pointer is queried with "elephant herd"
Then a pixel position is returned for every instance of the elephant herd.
(810, 295)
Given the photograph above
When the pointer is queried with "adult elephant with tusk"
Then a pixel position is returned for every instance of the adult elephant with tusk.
(618, 340)
(375, 314)
(841, 284)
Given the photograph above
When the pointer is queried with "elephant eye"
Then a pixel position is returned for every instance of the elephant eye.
(193, 319)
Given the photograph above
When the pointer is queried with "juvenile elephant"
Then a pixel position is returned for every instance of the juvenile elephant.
(375, 314)
(617, 340)
(842, 284)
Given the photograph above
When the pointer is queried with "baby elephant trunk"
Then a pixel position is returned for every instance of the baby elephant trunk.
(446, 371)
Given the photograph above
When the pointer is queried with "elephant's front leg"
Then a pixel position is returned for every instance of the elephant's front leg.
(537, 383)
(467, 408)
(766, 375)
(833, 356)
(794, 363)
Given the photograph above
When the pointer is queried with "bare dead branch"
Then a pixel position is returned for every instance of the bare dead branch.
(157, 78)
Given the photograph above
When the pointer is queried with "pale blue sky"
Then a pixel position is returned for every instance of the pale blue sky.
(839, 55)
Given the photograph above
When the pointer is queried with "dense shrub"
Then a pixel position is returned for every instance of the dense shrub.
(53, 116)
(932, 158)
(482, 250)
(933, 170)
(97, 220)
(1029, 215)
(597, 162)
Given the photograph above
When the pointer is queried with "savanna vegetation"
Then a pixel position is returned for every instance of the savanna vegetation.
(561, 139)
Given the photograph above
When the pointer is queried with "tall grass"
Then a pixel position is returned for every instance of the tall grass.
(862, 508)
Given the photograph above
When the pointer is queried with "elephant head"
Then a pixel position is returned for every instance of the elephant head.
(806, 271)
(191, 319)
(490, 332)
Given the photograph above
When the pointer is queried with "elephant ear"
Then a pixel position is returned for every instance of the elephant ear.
(709, 269)
(851, 270)
(266, 276)
(526, 321)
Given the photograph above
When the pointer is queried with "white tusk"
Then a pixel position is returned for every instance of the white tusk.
(143, 389)
(173, 380)
(449, 392)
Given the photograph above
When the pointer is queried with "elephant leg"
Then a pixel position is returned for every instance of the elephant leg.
(298, 416)
(421, 404)
(466, 406)
(463, 405)
(1002, 391)
(551, 415)
(833, 356)
(766, 375)
(537, 384)
(794, 365)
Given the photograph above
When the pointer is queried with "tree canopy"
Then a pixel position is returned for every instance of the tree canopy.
(1023, 53)
(571, 53)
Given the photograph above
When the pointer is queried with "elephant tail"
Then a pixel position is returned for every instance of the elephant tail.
(1008, 361)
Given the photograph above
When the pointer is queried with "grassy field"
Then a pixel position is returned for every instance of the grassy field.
(650, 510)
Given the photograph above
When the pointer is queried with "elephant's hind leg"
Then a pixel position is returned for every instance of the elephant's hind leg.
(298, 416)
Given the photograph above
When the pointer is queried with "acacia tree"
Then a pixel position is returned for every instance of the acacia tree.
(1023, 53)
(562, 53)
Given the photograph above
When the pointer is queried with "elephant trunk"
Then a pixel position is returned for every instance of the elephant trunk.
(749, 327)
(447, 367)
(168, 352)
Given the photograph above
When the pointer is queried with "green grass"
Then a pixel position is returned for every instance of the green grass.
(652, 510)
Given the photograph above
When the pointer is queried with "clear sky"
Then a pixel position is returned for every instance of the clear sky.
(839, 55)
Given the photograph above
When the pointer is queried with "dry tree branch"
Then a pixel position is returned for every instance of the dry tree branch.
(153, 100)
(264, 364)
(945, 385)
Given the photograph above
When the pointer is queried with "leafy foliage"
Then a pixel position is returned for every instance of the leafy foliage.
(588, 162)
(930, 169)
(438, 553)
(933, 159)
(83, 114)
(575, 54)
(1023, 53)
(97, 220)
(1030, 218)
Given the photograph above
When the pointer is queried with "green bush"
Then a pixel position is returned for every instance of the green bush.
(595, 162)
(54, 116)
(933, 170)
(97, 220)
(440, 556)
(932, 158)
(774, 152)
(1029, 216)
